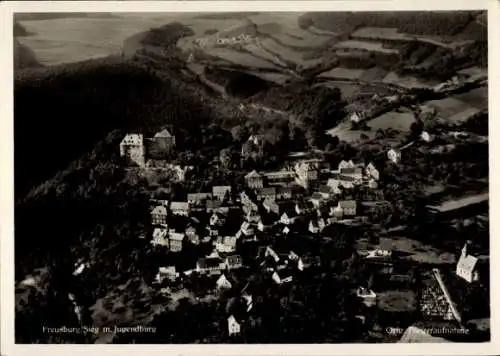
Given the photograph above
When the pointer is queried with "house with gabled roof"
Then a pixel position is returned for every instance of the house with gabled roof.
(197, 199)
(164, 141)
(354, 172)
(233, 262)
(234, 327)
(348, 207)
(254, 180)
(313, 227)
(132, 147)
(217, 219)
(159, 215)
(317, 199)
(394, 155)
(169, 273)
(223, 283)
(160, 236)
(303, 207)
(225, 244)
(221, 191)
(334, 185)
(176, 240)
(467, 265)
(346, 164)
(266, 193)
(179, 208)
(284, 193)
(211, 264)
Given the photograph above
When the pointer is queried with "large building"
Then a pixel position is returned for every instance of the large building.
(132, 148)
(163, 142)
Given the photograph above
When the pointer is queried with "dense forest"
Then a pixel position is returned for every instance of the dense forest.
(237, 84)
(441, 23)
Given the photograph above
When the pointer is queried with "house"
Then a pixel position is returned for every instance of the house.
(197, 199)
(317, 199)
(345, 164)
(225, 244)
(211, 264)
(179, 208)
(313, 227)
(283, 193)
(346, 182)
(355, 117)
(163, 142)
(306, 172)
(427, 137)
(220, 192)
(166, 273)
(159, 215)
(217, 219)
(269, 252)
(216, 205)
(132, 148)
(394, 155)
(247, 229)
(160, 236)
(223, 283)
(288, 218)
(282, 277)
(254, 180)
(175, 240)
(213, 231)
(336, 211)
(271, 206)
(234, 328)
(348, 207)
(325, 191)
(372, 172)
(247, 298)
(247, 201)
(303, 207)
(467, 265)
(266, 193)
(233, 262)
(334, 185)
(379, 253)
(321, 224)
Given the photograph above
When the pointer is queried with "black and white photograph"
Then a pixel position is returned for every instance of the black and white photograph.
(251, 177)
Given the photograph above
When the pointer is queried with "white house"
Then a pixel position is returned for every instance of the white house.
(179, 208)
(313, 227)
(334, 185)
(175, 240)
(233, 326)
(368, 296)
(166, 273)
(132, 147)
(345, 164)
(223, 283)
(355, 117)
(467, 266)
(288, 218)
(427, 137)
(160, 236)
(159, 215)
(225, 244)
(394, 155)
(282, 277)
(220, 192)
(372, 172)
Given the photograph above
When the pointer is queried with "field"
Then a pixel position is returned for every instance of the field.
(348, 90)
(451, 108)
(368, 46)
(277, 78)
(462, 202)
(343, 73)
(373, 74)
(299, 38)
(404, 81)
(240, 58)
(394, 120)
(286, 53)
(477, 98)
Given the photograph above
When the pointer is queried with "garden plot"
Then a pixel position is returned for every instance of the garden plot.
(393, 120)
(449, 107)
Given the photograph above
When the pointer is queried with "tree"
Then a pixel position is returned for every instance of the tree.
(239, 133)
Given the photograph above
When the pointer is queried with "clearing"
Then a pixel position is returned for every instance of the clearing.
(477, 98)
(243, 59)
(462, 202)
(408, 82)
(393, 120)
(449, 107)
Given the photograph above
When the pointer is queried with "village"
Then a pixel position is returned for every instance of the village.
(274, 228)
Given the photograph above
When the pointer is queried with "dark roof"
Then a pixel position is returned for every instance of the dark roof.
(212, 204)
(266, 191)
(324, 189)
(353, 170)
(317, 196)
(234, 260)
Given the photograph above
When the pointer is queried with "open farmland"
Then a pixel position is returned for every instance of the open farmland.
(477, 98)
(450, 107)
(367, 46)
(394, 120)
(463, 115)
(277, 78)
(239, 58)
(300, 40)
(373, 74)
(286, 53)
(342, 73)
(380, 33)
(348, 90)
(408, 82)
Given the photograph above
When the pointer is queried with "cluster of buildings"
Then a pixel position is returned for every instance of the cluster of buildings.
(136, 148)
